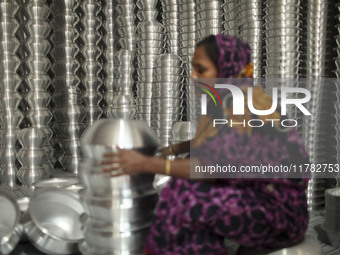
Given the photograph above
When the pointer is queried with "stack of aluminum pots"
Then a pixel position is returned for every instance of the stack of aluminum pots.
(168, 95)
(208, 16)
(230, 18)
(337, 39)
(313, 136)
(170, 20)
(126, 25)
(69, 112)
(10, 116)
(146, 10)
(124, 105)
(317, 62)
(317, 58)
(118, 209)
(37, 162)
(91, 66)
(282, 44)
(151, 42)
(282, 38)
(250, 26)
(337, 108)
(109, 55)
(186, 13)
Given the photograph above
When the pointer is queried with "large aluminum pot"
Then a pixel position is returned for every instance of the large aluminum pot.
(105, 135)
(10, 228)
(54, 226)
(102, 184)
(119, 209)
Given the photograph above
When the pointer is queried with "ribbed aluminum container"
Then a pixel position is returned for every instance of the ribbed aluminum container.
(10, 115)
(36, 162)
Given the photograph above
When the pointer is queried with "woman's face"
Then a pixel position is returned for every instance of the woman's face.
(202, 66)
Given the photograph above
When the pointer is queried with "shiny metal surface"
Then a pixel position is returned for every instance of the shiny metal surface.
(183, 131)
(106, 135)
(100, 184)
(55, 183)
(110, 240)
(10, 228)
(332, 201)
(33, 137)
(109, 209)
(27, 176)
(54, 226)
(86, 249)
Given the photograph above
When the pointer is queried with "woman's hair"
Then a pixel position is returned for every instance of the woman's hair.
(211, 48)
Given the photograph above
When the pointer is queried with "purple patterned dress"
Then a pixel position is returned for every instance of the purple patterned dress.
(194, 217)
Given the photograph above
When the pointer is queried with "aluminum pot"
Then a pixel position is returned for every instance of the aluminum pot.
(54, 226)
(105, 135)
(10, 228)
(119, 209)
(99, 183)
(111, 240)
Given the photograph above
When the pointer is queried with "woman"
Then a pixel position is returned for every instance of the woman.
(194, 217)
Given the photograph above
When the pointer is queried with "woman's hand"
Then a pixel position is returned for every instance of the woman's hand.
(164, 152)
(124, 162)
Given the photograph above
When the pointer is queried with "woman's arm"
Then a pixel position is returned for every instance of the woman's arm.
(175, 149)
(130, 162)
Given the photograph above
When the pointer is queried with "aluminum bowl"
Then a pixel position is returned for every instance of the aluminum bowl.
(119, 209)
(10, 228)
(55, 183)
(55, 227)
(183, 131)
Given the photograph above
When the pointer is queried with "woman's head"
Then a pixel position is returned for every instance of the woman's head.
(220, 56)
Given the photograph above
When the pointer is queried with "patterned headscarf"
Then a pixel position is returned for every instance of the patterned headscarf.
(234, 57)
